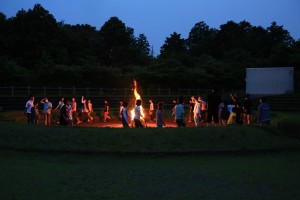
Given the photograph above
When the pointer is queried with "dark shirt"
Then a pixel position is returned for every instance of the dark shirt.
(213, 101)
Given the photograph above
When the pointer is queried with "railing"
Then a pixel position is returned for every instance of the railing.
(94, 92)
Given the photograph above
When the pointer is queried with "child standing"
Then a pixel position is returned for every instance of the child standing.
(160, 122)
(35, 114)
(125, 115)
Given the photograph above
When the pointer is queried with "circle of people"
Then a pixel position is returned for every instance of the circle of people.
(211, 112)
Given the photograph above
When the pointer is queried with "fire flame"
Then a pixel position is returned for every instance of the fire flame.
(137, 96)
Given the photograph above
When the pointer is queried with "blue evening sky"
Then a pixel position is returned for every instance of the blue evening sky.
(157, 19)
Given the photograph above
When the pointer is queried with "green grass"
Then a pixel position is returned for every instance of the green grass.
(148, 140)
(55, 162)
(63, 176)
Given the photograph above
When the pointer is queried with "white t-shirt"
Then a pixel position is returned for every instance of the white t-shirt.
(28, 106)
(197, 108)
(137, 112)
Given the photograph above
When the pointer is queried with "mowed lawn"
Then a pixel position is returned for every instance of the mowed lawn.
(245, 162)
(28, 175)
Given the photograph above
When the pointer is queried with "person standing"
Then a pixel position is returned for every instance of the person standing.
(160, 122)
(191, 109)
(197, 110)
(213, 101)
(28, 106)
(263, 112)
(124, 115)
(138, 114)
(64, 118)
(247, 109)
(203, 110)
(106, 111)
(90, 111)
(151, 110)
(84, 109)
(120, 111)
(35, 114)
(69, 113)
(174, 103)
(47, 110)
(74, 111)
(179, 113)
(60, 104)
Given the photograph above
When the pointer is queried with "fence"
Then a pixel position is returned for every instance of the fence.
(95, 92)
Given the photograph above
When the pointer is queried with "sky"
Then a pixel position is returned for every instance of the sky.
(158, 19)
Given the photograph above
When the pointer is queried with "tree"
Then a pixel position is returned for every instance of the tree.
(143, 45)
(279, 35)
(32, 34)
(116, 41)
(174, 45)
(200, 40)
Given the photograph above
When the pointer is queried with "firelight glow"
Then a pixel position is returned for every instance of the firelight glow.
(136, 96)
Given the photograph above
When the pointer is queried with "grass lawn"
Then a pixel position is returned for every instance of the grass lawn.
(148, 140)
(56, 162)
(64, 176)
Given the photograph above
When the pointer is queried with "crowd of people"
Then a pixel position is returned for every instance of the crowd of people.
(212, 111)
(215, 111)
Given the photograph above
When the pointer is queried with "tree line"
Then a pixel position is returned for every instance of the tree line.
(37, 50)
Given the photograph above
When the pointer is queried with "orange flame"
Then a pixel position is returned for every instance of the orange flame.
(137, 96)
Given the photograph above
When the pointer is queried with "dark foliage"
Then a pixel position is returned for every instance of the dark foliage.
(37, 50)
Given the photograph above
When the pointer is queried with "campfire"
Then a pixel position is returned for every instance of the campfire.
(137, 96)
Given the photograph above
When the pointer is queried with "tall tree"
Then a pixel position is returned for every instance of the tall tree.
(174, 45)
(116, 41)
(201, 38)
(32, 34)
(143, 44)
(279, 35)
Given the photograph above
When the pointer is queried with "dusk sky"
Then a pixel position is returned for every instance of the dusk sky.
(157, 19)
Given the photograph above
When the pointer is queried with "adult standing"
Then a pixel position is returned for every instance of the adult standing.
(151, 110)
(213, 101)
(74, 111)
(197, 110)
(247, 107)
(263, 112)
(84, 109)
(28, 106)
(160, 122)
(179, 113)
(35, 114)
(47, 110)
(138, 114)
(191, 109)
(60, 104)
(64, 118)
(106, 111)
(124, 115)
